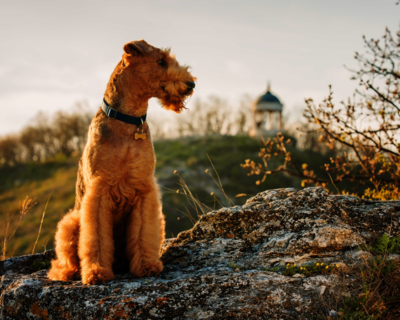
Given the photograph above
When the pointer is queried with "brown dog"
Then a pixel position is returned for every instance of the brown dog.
(117, 220)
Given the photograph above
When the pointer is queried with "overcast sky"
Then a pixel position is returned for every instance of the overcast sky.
(55, 53)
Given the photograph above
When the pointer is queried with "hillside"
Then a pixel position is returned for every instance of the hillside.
(56, 179)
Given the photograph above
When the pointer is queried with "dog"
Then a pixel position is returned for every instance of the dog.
(117, 224)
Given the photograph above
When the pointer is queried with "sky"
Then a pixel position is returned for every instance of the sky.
(54, 54)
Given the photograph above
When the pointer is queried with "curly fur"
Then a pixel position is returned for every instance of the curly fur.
(117, 222)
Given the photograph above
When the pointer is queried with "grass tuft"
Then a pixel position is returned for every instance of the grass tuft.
(25, 207)
(199, 207)
(309, 270)
(234, 266)
(383, 245)
(378, 295)
(40, 227)
(40, 265)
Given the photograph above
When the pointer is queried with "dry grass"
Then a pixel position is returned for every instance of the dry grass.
(199, 207)
(25, 207)
(376, 290)
(380, 295)
(40, 227)
(229, 202)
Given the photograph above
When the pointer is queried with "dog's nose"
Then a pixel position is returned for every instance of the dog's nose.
(190, 84)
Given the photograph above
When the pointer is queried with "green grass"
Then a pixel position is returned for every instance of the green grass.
(40, 265)
(308, 270)
(380, 277)
(383, 245)
(379, 294)
(233, 266)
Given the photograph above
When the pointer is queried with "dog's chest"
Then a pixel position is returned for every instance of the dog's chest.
(130, 158)
(140, 159)
(133, 167)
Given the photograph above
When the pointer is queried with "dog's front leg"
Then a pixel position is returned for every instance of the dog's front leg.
(145, 233)
(96, 244)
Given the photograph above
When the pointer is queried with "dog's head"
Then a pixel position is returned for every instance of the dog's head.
(154, 72)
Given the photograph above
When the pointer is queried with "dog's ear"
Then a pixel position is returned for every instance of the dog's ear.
(137, 47)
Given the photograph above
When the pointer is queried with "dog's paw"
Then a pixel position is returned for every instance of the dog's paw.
(148, 269)
(59, 272)
(96, 275)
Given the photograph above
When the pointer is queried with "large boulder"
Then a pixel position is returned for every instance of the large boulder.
(226, 267)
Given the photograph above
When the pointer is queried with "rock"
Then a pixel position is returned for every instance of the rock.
(298, 275)
(27, 264)
(215, 270)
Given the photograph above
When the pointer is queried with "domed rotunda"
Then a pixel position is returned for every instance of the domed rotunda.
(267, 115)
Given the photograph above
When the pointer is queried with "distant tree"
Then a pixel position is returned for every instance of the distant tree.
(215, 116)
(363, 133)
(69, 131)
(10, 150)
(43, 138)
(29, 143)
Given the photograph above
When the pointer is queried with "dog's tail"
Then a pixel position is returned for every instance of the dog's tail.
(66, 265)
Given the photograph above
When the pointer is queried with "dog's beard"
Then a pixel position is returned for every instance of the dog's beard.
(175, 103)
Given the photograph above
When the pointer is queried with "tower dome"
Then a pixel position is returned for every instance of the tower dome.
(267, 115)
(268, 102)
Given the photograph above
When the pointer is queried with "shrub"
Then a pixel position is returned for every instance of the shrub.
(362, 134)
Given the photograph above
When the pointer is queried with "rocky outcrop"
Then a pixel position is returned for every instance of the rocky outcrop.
(222, 267)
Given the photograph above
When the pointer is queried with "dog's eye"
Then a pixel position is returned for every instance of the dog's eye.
(161, 62)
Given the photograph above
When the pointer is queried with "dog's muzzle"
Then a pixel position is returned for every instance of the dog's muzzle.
(190, 86)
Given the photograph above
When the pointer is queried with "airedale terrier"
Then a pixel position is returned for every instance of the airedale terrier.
(117, 222)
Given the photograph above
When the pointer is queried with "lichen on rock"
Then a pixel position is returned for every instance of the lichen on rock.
(216, 270)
